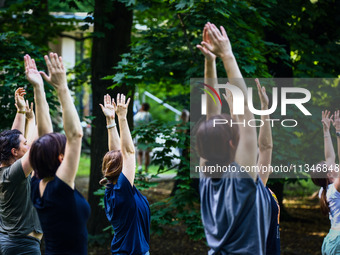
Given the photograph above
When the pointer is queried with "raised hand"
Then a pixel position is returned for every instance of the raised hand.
(31, 71)
(262, 94)
(228, 96)
(326, 120)
(207, 53)
(219, 43)
(20, 103)
(108, 108)
(56, 71)
(121, 107)
(29, 111)
(336, 121)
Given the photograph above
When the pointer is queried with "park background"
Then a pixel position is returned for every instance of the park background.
(148, 46)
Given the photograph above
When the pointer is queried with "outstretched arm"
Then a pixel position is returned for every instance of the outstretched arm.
(109, 112)
(19, 121)
(328, 144)
(210, 75)
(126, 143)
(73, 130)
(220, 46)
(44, 122)
(336, 124)
(265, 137)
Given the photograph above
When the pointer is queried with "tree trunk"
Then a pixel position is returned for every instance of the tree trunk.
(112, 37)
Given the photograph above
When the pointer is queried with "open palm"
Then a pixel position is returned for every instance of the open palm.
(31, 71)
(108, 108)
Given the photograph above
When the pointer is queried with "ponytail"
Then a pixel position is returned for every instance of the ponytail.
(321, 179)
(324, 205)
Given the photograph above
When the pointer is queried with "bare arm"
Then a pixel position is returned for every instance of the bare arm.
(126, 143)
(210, 76)
(73, 130)
(220, 45)
(328, 144)
(265, 137)
(19, 120)
(31, 132)
(336, 124)
(109, 112)
(44, 122)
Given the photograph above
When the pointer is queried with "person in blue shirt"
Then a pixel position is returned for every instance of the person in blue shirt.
(265, 143)
(63, 212)
(235, 205)
(126, 208)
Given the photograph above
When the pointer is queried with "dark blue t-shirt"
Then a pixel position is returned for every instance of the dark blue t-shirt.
(273, 240)
(63, 214)
(129, 213)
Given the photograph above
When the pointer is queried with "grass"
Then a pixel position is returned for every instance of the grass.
(85, 166)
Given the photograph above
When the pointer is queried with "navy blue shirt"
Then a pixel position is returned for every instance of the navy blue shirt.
(129, 213)
(236, 213)
(273, 241)
(63, 214)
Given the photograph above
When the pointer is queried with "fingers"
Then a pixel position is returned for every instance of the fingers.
(203, 50)
(224, 33)
(127, 103)
(48, 64)
(34, 65)
(207, 45)
(258, 85)
(45, 76)
(53, 60)
(31, 106)
(101, 106)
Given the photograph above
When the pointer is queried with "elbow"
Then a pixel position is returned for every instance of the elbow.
(266, 147)
(77, 134)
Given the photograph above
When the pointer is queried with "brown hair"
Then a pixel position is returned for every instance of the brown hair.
(212, 143)
(9, 139)
(112, 166)
(44, 154)
(320, 178)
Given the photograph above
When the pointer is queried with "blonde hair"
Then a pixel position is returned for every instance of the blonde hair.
(111, 168)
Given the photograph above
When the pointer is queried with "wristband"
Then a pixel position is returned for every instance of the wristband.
(23, 112)
(111, 126)
(337, 134)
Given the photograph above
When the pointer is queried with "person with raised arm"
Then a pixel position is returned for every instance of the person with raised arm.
(326, 175)
(126, 208)
(62, 210)
(20, 230)
(231, 201)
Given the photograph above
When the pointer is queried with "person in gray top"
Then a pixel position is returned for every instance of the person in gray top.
(235, 205)
(20, 230)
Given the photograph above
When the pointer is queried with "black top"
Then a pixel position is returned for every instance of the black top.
(63, 213)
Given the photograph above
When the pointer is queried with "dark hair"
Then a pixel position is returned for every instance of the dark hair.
(212, 143)
(9, 139)
(44, 154)
(112, 166)
(145, 107)
(320, 178)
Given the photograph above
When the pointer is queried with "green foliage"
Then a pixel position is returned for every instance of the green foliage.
(13, 47)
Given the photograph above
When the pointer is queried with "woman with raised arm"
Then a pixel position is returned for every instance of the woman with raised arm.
(231, 201)
(62, 210)
(126, 208)
(20, 231)
(326, 175)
